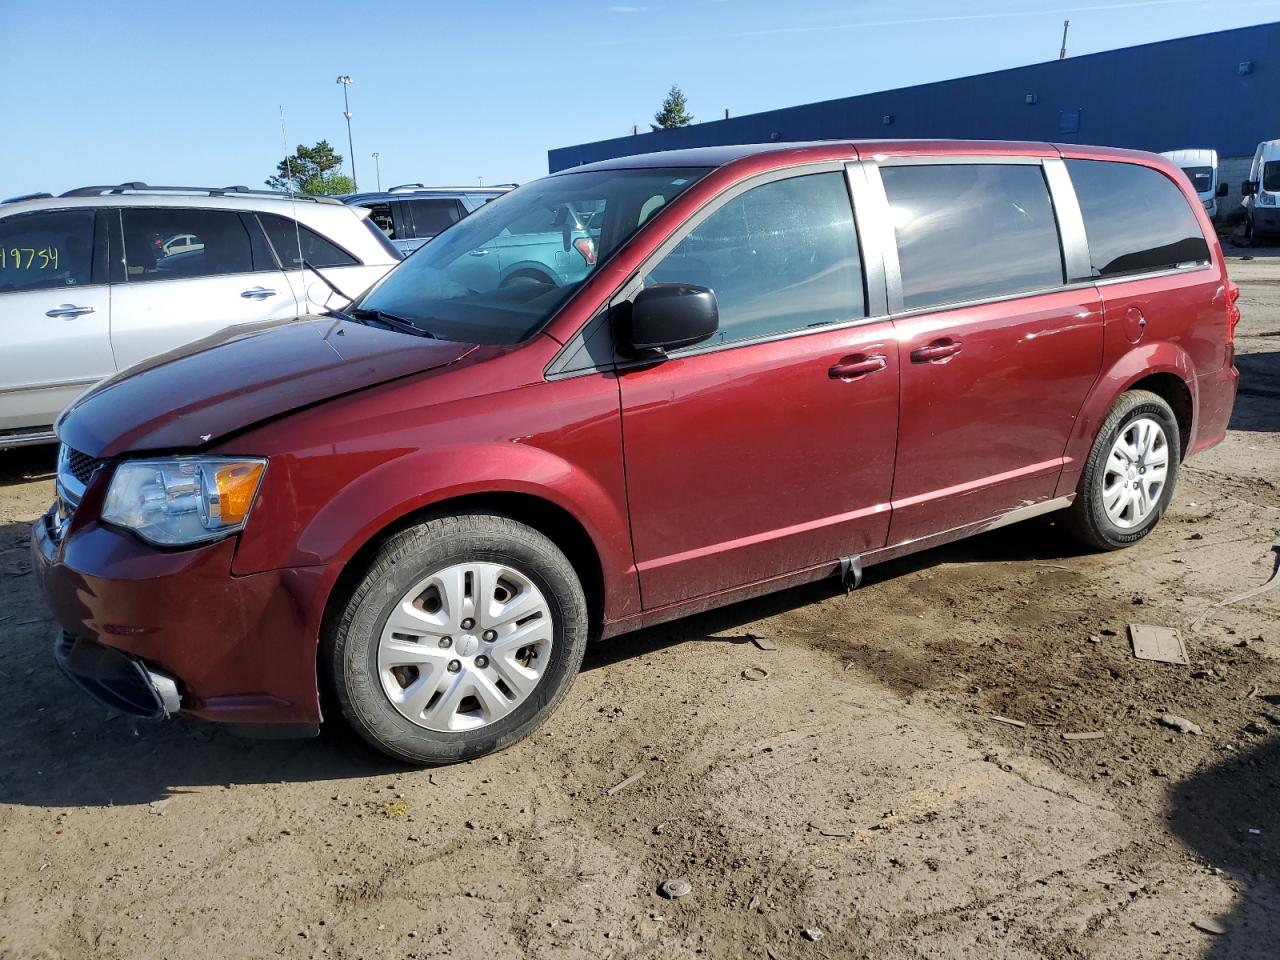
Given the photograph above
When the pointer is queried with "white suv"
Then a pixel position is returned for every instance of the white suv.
(101, 278)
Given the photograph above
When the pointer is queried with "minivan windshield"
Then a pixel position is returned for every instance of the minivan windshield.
(1201, 178)
(498, 275)
(1271, 176)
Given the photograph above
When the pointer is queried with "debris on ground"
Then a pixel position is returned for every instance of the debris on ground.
(754, 673)
(618, 787)
(764, 643)
(1007, 721)
(1209, 926)
(394, 809)
(1162, 644)
(675, 888)
(1247, 594)
(1181, 724)
(812, 934)
(828, 832)
(1089, 735)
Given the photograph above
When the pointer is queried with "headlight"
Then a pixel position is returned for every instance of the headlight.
(183, 500)
(1267, 199)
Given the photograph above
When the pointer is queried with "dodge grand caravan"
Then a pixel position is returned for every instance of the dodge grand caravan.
(787, 362)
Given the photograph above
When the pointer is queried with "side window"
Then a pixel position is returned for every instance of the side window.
(782, 256)
(43, 250)
(434, 216)
(170, 243)
(380, 217)
(1135, 218)
(287, 236)
(972, 231)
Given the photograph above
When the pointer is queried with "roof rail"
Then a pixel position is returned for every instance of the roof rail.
(423, 188)
(136, 186)
(28, 196)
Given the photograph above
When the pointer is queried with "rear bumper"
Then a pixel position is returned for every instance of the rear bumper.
(236, 649)
(1217, 395)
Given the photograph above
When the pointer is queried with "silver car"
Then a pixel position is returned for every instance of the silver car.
(101, 278)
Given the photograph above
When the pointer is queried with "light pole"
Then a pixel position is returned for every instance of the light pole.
(377, 165)
(346, 112)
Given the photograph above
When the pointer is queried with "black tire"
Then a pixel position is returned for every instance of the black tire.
(1087, 519)
(350, 643)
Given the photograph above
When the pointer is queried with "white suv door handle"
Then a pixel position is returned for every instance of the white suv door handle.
(68, 310)
(258, 293)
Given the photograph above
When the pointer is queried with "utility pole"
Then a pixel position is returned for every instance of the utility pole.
(377, 165)
(1062, 54)
(346, 112)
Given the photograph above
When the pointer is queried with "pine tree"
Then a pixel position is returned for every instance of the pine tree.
(673, 113)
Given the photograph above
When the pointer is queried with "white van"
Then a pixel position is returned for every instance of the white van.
(1262, 191)
(1201, 168)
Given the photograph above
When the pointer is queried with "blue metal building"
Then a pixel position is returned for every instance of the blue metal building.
(1217, 90)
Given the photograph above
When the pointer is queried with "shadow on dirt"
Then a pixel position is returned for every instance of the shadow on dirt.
(1229, 816)
(25, 464)
(1037, 539)
(1257, 406)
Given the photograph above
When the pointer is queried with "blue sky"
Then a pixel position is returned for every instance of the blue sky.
(171, 92)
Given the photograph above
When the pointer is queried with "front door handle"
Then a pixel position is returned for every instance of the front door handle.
(479, 253)
(936, 351)
(66, 311)
(258, 293)
(855, 366)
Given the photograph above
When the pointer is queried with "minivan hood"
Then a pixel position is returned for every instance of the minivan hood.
(238, 377)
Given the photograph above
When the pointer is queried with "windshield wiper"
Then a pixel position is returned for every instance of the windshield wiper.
(362, 315)
(326, 281)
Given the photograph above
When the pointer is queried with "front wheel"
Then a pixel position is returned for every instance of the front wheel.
(461, 638)
(1129, 477)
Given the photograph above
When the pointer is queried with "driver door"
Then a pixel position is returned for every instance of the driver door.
(769, 449)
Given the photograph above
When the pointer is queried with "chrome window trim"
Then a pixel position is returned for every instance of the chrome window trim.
(959, 159)
(1205, 266)
(969, 304)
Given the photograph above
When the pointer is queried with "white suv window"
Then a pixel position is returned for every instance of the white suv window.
(215, 243)
(42, 250)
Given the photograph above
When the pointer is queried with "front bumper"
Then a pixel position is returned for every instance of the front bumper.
(238, 649)
(1266, 219)
(116, 679)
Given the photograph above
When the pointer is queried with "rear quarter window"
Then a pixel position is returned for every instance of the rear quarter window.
(1136, 219)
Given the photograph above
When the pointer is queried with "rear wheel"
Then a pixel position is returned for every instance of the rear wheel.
(461, 638)
(1129, 477)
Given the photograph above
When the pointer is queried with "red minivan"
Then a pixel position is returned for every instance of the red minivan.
(713, 373)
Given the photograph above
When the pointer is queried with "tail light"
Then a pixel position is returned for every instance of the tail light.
(1233, 311)
(587, 247)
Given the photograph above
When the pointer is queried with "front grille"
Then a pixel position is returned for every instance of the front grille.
(81, 465)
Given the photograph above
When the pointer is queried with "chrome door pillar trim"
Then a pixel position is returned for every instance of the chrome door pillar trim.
(879, 221)
(872, 248)
(1066, 207)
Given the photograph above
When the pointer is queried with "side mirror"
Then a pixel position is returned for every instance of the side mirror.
(1248, 188)
(1222, 190)
(667, 316)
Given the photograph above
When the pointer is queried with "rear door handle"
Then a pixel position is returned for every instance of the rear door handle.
(66, 311)
(933, 352)
(855, 366)
(258, 293)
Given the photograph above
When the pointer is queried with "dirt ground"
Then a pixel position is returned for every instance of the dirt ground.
(857, 802)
